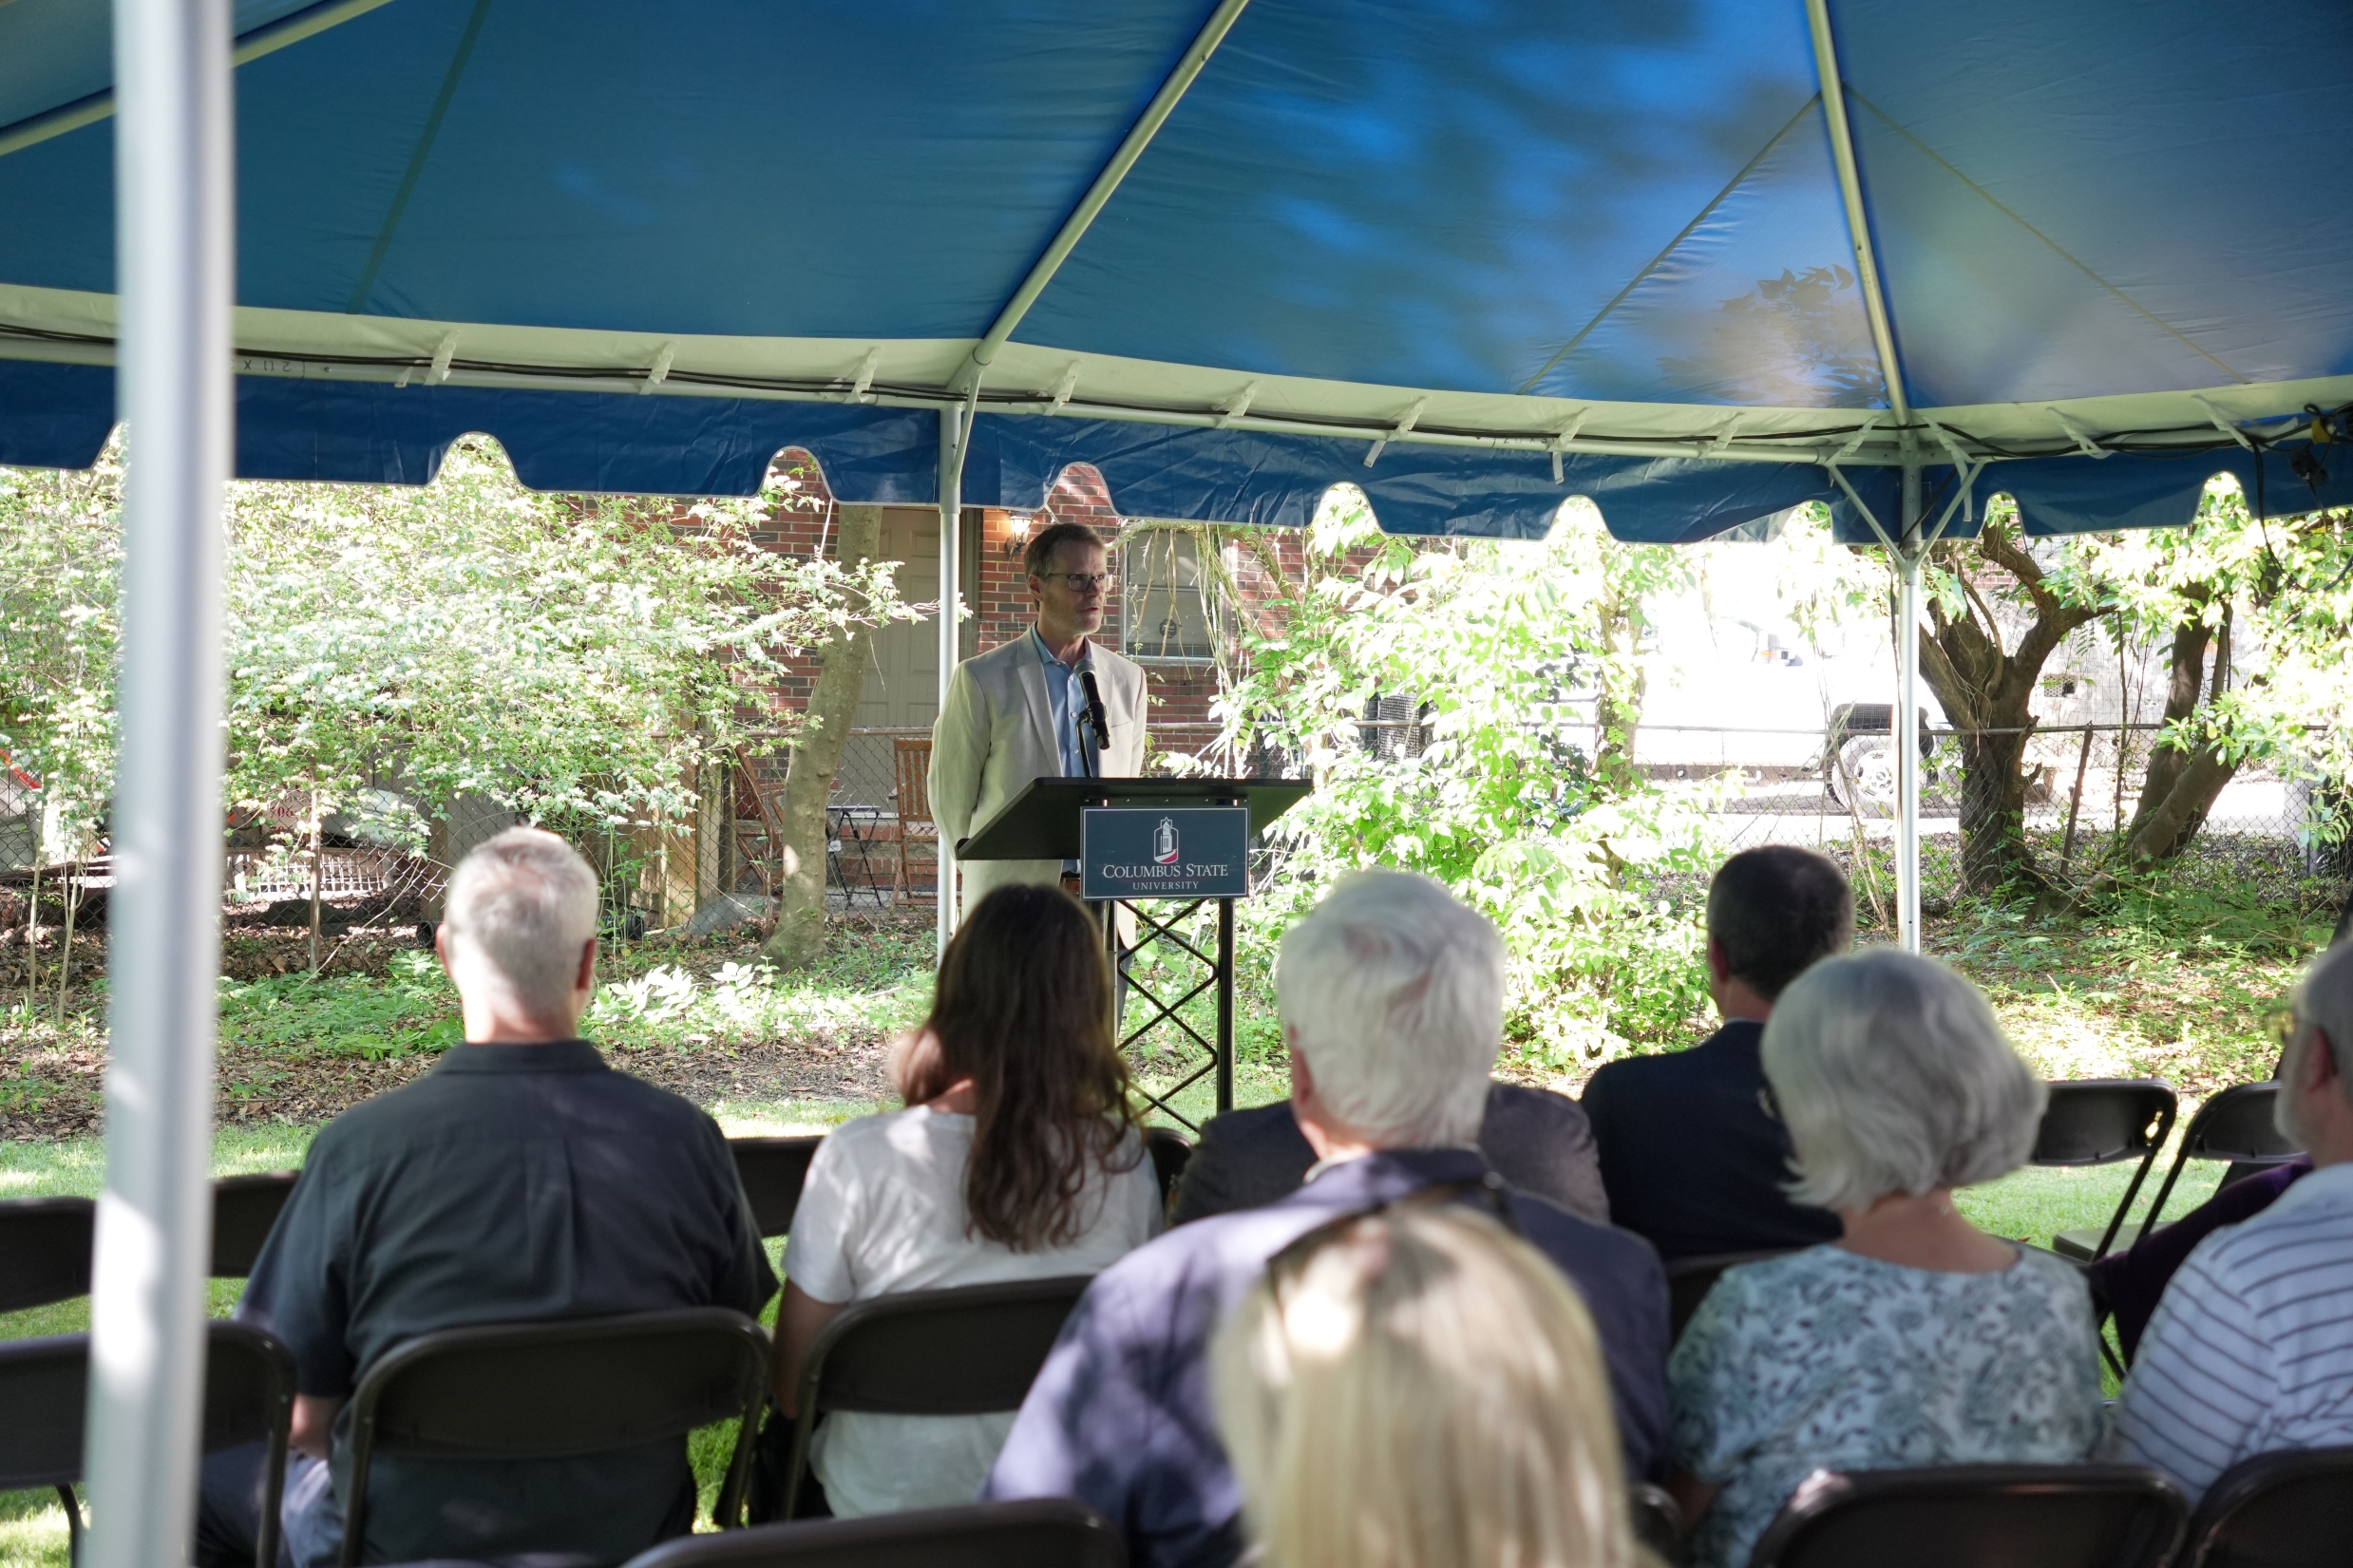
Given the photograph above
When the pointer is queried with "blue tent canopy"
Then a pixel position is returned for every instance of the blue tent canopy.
(1506, 252)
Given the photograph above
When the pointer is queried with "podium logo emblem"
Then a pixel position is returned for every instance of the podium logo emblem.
(1164, 843)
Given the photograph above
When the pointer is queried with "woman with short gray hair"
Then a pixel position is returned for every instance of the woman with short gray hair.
(1915, 1338)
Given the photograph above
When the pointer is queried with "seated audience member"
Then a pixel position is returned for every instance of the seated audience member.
(1692, 1155)
(1016, 1158)
(521, 1180)
(2251, 1347)
(1390, 995)
(2128, 1284)
(1417, 1389)
(1538, 1142)
(1915, 1339)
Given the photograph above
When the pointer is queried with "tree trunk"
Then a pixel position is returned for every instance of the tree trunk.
(1617, 701)
(1989, 690)
(2181, 785)
(800, 935)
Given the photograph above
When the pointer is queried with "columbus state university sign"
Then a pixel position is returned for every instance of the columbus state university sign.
(1186, 852)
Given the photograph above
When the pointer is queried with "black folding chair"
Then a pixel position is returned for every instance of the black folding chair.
(249, 1397)
(1969, 1516)
(2098, 1122)
(2235, 1125)
(968, 1349)
(1689, 1279)
(1169, 1150)
(2285, 1510)
(1032, 1533)
(244, 1209)
(557, 1391)
(1657, 1522)
(45, 1251)
(772, 1170)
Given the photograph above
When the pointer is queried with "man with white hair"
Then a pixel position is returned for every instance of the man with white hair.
(2251, 1348)
(1390, 995)
(521, 1180)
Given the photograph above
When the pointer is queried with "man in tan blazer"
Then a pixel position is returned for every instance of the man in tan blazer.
(1019, 711)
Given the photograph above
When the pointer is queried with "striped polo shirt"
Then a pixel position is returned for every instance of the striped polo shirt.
(2251, 1348)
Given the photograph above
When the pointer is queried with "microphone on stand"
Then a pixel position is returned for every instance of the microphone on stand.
(1097, 719)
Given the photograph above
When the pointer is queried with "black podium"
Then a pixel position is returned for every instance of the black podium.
(1182, 842)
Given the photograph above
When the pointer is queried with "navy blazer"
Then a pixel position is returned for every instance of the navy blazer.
(1693, 1157)
(1120, 1419)
(1538, 1142)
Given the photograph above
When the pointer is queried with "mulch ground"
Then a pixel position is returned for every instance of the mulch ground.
(48, 1092)
(50, 1088)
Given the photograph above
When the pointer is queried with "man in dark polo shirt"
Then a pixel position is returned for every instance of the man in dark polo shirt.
(1693, 1156)
(521, 1180)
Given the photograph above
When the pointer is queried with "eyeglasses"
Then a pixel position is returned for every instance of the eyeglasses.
(1285, 1266)
(1080, 582)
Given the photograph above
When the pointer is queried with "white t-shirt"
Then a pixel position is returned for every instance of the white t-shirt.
(882, 1210)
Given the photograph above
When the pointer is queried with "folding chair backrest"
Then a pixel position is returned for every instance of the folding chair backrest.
(1965, 1516)
(44, 1388)
(968, 1349)
(244, 1209)
(45, 1251)
(1032, 1533)
(2235, 1125)
(913, 754)
(2283, 1510)
(1169, 1150)
(1689, 1279)
(772, 1170)
(554, 1390)
(2097, 1122)
(249, 1397)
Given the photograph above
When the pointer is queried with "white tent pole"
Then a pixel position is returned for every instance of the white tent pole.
(175, 249)
(1909, 550)
(953, 435)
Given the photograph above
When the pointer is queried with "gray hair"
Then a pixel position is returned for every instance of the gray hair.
(2323, 1001)
(520, 908)
(1893, 1076)
(1393, 993)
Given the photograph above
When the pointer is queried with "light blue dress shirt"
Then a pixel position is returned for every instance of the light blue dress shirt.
(1066, 695)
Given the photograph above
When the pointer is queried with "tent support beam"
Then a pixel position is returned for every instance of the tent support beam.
(176, 213)
(1851, 194)
(1107, 180)
(1908, 558)
(955, 441)
(1907, 720)
(35, 129)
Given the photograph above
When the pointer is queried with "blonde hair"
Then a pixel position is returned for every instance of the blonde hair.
(1421, 1390)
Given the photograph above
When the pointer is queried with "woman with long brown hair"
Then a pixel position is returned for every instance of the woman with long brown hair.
(1017, 1157)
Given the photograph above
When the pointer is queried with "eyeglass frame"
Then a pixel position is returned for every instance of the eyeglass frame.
(1078, 582)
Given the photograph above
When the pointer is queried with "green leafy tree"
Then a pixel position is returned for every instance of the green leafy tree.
(1505, 651)
(576, 658)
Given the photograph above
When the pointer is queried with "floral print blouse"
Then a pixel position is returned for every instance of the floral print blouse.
(1829, 1360)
